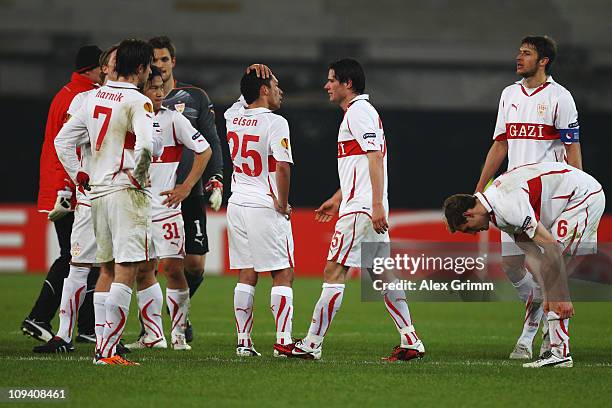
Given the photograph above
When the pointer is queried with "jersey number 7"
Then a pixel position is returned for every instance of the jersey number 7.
(102, 110)
(232, 137)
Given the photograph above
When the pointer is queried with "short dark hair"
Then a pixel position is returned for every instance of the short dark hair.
(163, 42)
(131, 54)
(250, 85)
(454, 207)
(545, 46)
(349, 69)
(154, 72)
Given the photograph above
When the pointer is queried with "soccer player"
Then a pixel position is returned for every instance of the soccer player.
(537, 122)
(117, 122)
(362, 205)
(55, 196)
(196, 106)
(167, 226)
(258, 212)
(83, 241)
(552, 205)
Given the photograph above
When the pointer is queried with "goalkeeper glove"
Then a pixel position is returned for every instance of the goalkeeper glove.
(62, 205)
(215, 187)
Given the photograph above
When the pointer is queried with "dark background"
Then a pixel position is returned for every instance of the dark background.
(431, 154)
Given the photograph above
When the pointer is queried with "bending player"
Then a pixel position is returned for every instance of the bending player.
(258, 211)
(537, 122)
(117, 122)
(552, 205)
(362, 205)
(167, 223)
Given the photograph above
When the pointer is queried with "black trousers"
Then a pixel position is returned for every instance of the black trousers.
(50, 296)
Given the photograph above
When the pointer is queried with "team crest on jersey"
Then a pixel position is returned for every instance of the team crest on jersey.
(179, 107)
(148, 107)
(542, 110)
(285, 143)
(75, 250)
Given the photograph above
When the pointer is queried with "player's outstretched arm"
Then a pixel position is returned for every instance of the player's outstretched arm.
(545, 258)
(180, 192)
(495, 157)
(377, 179)
(329, 209)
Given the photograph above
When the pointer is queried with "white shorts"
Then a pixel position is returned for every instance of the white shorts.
(352, 230)
(122, 224)
(259, 238)
(82, 239)
(576, 227)
(168, 233)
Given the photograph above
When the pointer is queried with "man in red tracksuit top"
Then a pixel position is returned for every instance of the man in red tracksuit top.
(55, 196)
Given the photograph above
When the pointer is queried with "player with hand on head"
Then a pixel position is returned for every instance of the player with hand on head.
(167, 224)
(362, 205)
(117, 122)
(83, 241)
(537, 121)
(55, 196)
(552, 211)
(195, 105)
(258, 211)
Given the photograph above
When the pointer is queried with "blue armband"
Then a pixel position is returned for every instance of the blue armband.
(569, 135)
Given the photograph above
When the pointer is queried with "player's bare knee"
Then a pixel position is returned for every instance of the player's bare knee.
(334, 273)
(173, 269)
(282, 277)
(247, 276)
(194, 264)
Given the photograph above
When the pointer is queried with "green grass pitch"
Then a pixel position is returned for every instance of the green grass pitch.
(466, 362)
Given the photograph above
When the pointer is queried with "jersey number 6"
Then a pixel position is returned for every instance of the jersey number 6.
(102, 110)
(245, 153)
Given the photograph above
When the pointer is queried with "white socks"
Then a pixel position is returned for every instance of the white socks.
(397, 306)
(99, 301)
(73, 294)
(533, 314)
(281, 304)
(528, 288)
(559, 335)
(150, 302)
(178, 303)
(117, 310)
(243, 311)
(324, 312)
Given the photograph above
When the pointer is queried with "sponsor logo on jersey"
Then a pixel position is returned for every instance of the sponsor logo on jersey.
(285, 143)
(75, 250)
(156, 124)
(196, 136)
(515, 106)
(526, 224)
(369, 136)
(542, 110)
(179, 107)
(573, 125)
(148, 107)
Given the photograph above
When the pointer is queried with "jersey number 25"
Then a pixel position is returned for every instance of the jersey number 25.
(234, 140)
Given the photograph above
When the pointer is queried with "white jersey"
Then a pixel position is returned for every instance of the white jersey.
(257, 139)
(83, 151)
(176, 133)
(527, 194)
(117, 121)
(361, 131)
(536, 123)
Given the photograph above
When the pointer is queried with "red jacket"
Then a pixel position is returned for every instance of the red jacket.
(53, 177)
